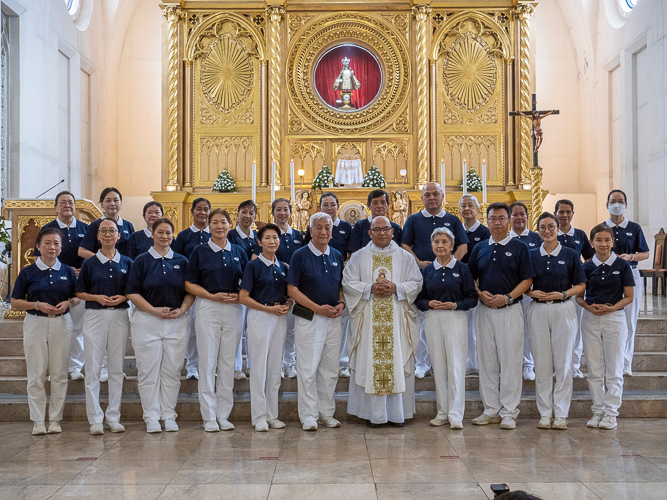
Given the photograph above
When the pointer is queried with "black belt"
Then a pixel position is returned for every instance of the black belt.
(271, 304)
(507, 305)
(42, 315)
(557, 301)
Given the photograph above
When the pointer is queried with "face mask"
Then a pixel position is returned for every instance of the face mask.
(616, 208)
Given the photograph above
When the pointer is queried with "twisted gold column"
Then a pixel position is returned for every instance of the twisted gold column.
(422, 14)
(275, 15)
(173, 15)
(524, 13)
(536, 194)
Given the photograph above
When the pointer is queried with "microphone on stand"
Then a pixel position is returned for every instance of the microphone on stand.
(52, 187)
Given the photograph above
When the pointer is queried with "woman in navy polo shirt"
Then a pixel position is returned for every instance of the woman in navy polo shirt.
(45, 290)
(141, 241)
(447, 293)
(106, 325)
(111, 201)
(264, 292)
(604, 327)
(214, 275)
(159, 326)
(551, 319)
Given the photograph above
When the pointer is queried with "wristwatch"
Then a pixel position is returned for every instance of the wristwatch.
(564, 295)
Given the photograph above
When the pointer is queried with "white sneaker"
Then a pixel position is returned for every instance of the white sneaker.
(594, 422)
(211, 426)
(330, 422)
(114, 426)
(310, 425)
(54, 428)
(577, 374)
(455, 425)
(484, 419)
(170, 425)
(608, 422)
(153, 427)
(290, 371)
(76, 375)
(262, 426)
(225, 425)
(38, 429)
(439, 421)
(239, 375)
(420, 373)
(628, 371)
(104, 375)
(97, 430)
(344, 373)
(528, 373)
(544, 423)
(274, 423)
(192, 375)
(560, 424)
(508, 423)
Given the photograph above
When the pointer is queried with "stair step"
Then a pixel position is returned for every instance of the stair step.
(650, 342)
(652, 325)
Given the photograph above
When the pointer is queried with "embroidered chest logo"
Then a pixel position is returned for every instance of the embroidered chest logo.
(577, 242)
(447, 224)
(341, 232)
(124, 271)
(531, 244)
(509, 254)
(63, 277)
(81, 235)
(616, 272)
(334, 264)
(561, 262)
(177, 266)
(628, 234)
(236, 259)
(477, 239)
(456, 275)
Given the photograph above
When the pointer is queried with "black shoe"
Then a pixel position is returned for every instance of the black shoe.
(372, 425)
(397, 424)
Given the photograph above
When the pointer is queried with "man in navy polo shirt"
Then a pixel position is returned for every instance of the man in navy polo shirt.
(630, 245)
(504, 273)
(416, 239)
(378, 202)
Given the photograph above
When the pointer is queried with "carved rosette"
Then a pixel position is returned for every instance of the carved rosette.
(226, 74)
(524, 13)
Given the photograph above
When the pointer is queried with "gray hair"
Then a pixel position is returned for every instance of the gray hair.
(436, 185)
(445, 231)
(472, 197)
(320, 215)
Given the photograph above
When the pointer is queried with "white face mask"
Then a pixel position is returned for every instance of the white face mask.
(616, 209)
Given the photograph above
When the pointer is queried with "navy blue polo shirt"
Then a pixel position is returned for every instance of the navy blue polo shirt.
(159, 280)
(476, 234)
(290, 242)
(92, 244)
(72, 237)
(628, 238)
(102, 276)
(450, 283)
(190, 238)
(38, 283)
(419, 227)
(139, 242)
(217, 269)
(530, 238)
(501, 266)
(558, 271)
(606, 280)
(340, 236)
(247, 243)
(265, 281)
(359, 237)
(577, 240)
(317, 275)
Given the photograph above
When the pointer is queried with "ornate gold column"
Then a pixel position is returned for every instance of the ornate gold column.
(173, 15)
(264, 139)
(536, 194)
(188, 111)
(422, 14)
(524, 13)
(275, 15)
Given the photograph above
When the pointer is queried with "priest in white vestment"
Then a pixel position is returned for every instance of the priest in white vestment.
(381, 282)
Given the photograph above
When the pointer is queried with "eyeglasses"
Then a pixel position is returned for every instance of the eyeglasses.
(66, 203)
(377, 230)
(107, 232)
(493, 220)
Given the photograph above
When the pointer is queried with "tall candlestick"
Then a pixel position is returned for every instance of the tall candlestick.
(254, 182)
(291, 178)
(273, 181)
(442, 173)
(464, 182)
(483, 181)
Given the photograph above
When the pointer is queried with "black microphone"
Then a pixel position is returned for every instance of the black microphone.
(52, 187)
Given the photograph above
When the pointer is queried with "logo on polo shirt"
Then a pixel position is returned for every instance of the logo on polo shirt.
(123, 271)
(628, 234)
(236, 259)
(81, 235)
(335, 263)
(531, 244)
(477, 239)
(177, 266)
(125, 230)
(63, 277)
(456, 275)
(577, 241)
(509, 254)
(341, 232)
(616, 272)
(561, 262)
(446, 223)
(297, 242)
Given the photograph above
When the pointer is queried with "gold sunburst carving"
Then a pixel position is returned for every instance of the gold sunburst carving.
(226, 74)
(470, 73)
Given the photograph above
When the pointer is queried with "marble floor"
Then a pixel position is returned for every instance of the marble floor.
(352, 462)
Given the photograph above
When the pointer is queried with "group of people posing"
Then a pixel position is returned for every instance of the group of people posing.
(375, 302)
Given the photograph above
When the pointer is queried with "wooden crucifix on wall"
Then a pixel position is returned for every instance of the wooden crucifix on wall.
(536, 118)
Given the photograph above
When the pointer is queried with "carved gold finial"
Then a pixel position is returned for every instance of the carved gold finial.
(422, 14)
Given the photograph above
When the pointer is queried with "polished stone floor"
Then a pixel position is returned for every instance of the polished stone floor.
(352, 462)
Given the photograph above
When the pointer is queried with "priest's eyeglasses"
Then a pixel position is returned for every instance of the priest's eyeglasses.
(107, 232)
(377, 230)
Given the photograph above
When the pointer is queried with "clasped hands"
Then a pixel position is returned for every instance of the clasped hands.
(225, 298)
(281, 310)
(329, 311)
(492, 301)
(383, 289)
(112, 301)
(50, 310)
(546, 296)
(441, 306)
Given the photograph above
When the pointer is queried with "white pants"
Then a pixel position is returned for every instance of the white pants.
(552, 329)
(266, 338)
(344, 360)
(76, 354)
(471, 314)
(159, 345)
(422, 360)
(499, 351)
(46, 343)
(631, 316)
(289, 356)
(604, 340)
(447, 336)
(578, 342)
(528, 361)
(104, 331)
(191, 354)
(238, 361)
(317, 352)
(219, 327)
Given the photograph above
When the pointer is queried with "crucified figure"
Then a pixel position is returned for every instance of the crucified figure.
(536, 117)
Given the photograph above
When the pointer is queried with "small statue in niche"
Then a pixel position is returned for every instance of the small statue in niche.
(346, 83)
(302, 211)
(399, 207)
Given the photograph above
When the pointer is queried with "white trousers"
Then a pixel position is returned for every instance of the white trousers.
(471, 314)
(219, 328)
(266, 338)
(578, 341)
(104, 331)
(604, 340)
(499, 351)
(631, 316)
(344, 360)
(191, 354)
(76, 354)
(238, 361)
(422, 360)
(317, 352)
(46, 343)
(528, 361)
(289, 355)
(159, 345)
(447, 336)
(552, 329)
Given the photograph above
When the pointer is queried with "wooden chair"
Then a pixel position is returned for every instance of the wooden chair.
(659, 271)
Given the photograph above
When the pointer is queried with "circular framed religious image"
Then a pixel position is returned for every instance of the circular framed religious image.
(348, 77)
(352, 212)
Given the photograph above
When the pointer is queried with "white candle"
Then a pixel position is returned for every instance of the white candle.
(254, 182)
(442, 173)
(464, 183)
(291, 178)
(273, 181)
(483, 181)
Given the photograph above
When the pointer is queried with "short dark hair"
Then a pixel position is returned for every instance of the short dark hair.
(153, 204)
(110, 220)
(163, 220)
(278, 200)
(377, 193)
(329, 193)
(517, 204)
(265, 228)
(221, 211)
(499, 205)
(64, 193)
(563, 202)
(199, 200)
(601, 228)
(617, 191)
(108, 190)
(45, 231)
(546, 215)
(248, 204)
